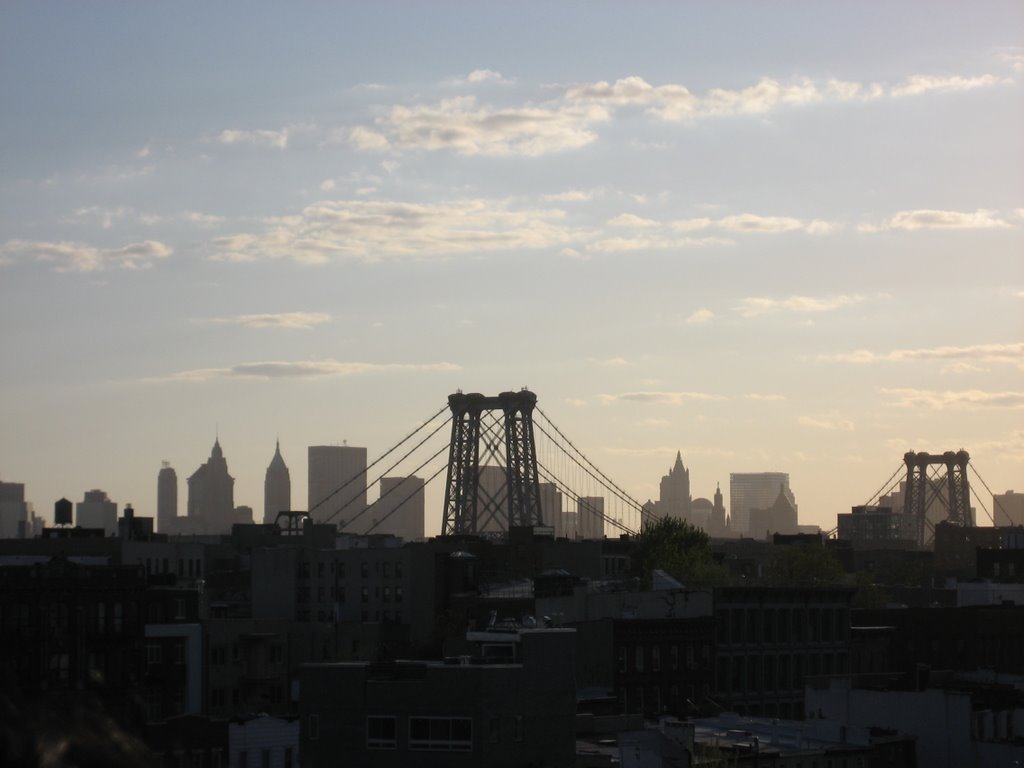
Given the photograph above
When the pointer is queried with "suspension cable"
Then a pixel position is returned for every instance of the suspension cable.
(398, 506)
(886, 485)
(389, 469)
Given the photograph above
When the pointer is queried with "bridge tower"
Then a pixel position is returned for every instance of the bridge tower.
(924, 488)
(473, 418)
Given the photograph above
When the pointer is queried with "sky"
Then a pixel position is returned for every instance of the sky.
(772, 236)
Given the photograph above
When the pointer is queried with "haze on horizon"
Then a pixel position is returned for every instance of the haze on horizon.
(776, 237)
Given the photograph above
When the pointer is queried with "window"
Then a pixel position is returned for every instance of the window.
(656, 658)
(179, 609)
(364, 569)
(364, 595)
(381, 732)
(398, 570)
(387, 570)
(621, 654)
(179, 652)
(118, 617)
(519, 728)
(638, 658)
(313, 727)
(673, 655)
(289, 759)
(153, 655)
(494, 730)
(265, 759)
(387, 593)
(398, 594)
(243, 759)
(445, 734)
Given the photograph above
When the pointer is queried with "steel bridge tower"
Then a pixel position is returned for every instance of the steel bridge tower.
(922, 490)
(522, 488)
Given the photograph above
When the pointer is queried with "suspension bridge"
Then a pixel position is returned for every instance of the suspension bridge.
(506, 464)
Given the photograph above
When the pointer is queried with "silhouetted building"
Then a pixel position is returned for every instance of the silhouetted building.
(96, 510)
(399, 510)
(337, 483)
(277, 487)
(873, 527)
(512, 703)
(211, 496)
(62, 512)
(590, 517)
(755, 490)
(16, 515)
(1008, 508)
(780, 517)
(717, 525)
(770, 639)
(674, 498)
(166, 499)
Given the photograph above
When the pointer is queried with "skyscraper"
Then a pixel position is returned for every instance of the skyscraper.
(166, 498)
(674, 499)
(277, 487)
(96, 510)
(398, 511)
(330, 468)
(755, 490)
(211, 495)
(590, 517)
(16, 515)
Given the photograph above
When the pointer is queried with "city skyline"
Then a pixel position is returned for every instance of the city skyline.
(772, 238)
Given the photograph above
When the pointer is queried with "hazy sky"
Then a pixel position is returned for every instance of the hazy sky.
(775, 236)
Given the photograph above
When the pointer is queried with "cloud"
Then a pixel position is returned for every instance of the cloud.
(915, 85)
(293, 320)
(327, 185)
(570, 196)
(461, 126)
(666, 450)
(764, 398)
(1013, 57)
(971, 399)
(575, 402)
(626, 244)
(79, 257)
(978, 353)
(376, 230)
(755, 306)
(749, 222)
(661, 398)
(827, 423)
(615, 362)
(105, 216)
(934, 219)
(304, 369)
(202, 219)
(631, 220)
(256, 138)
(700, 317)
(477, 76)
(676, 103)
(654, 423)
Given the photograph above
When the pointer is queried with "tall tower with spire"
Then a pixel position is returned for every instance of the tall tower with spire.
(211, 495)
(277, 487)
(675, 500)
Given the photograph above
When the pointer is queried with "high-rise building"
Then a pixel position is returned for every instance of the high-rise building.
(492, 500)
(277, 487)
(399, 510)
(211, 496)
(780, 517)
(590, 517)
(330, 468)
(1008, 508)
(755, 490)
(16, 514)
(551, 509)
(166, 498)
(674, 499)
(96, 510)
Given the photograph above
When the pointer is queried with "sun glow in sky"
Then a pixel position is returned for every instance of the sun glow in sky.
(774, 236)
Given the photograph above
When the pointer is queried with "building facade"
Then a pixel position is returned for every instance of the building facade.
(277, 487)
(755, 490)
(336, 483)
(166, 499)
(211, 494)
(96, 510)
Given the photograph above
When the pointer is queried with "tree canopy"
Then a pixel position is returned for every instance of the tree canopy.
(802, 565)
(678, 548)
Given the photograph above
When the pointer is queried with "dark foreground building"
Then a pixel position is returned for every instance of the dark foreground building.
(514, 704)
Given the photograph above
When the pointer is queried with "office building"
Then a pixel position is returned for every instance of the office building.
(16, 515)
(399, 509)
(1008, 508)
(755, 490)
(337, 483)
(166, 498)
(277, 487)
(96, 510)
(211, 494)
(590, 517)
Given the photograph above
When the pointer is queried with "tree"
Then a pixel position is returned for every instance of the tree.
(678, 548)
(802, 565)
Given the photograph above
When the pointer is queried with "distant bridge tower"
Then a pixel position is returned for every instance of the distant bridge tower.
(923, 490)
(462, 490)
